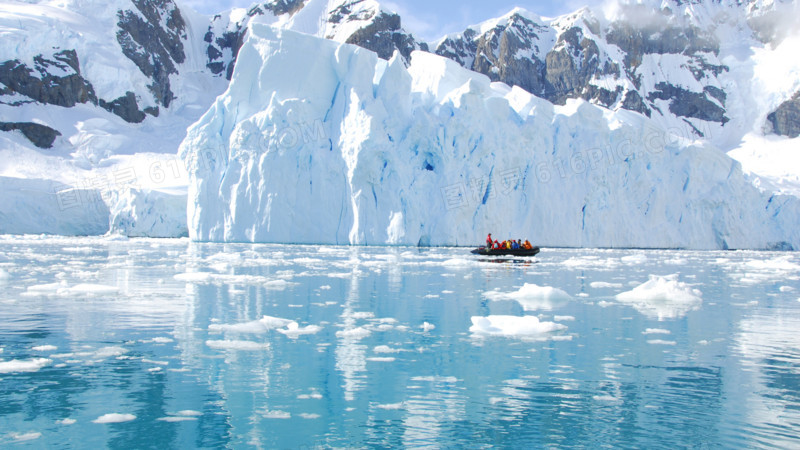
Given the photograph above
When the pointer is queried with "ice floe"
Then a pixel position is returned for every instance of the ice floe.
(532, 297)
(663, 297)
(24, 365)
(114, 418)
(229, 344)
(513, 326)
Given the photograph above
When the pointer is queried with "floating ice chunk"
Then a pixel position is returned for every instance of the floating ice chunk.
(354, 333)
(786, 289)
(564, 318)
(639, 258)
(427, 327)
(275, 414)
(24, 365)
(513, 326)
(392, 406)
(381, 359)
(22, 437)
(88, 289)
(661, 342)
(260, 326)
(663, 297)
(173, 419)
(656, 331)
(385, 349)
(278, 285)
(45, 348)
(603, 284)
(195, 277)
(114, 418)
(293, 330)
(66, 421)
(309, 416)
(46, 289)
(533, 297)
(237, 345)
(189, 412)
(4, 276)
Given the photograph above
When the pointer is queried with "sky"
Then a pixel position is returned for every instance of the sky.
(432, 19)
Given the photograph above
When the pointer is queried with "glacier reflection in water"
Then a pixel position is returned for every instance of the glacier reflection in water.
(168, 343)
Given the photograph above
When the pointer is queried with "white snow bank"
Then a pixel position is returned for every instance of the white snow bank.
(532, 297)
(663, 297)
(513, 326)
(114, 418)
(24, 365)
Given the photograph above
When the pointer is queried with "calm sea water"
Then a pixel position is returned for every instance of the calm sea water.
(172, 344)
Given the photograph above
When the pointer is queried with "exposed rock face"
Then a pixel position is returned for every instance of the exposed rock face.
(67, 89)
(152, 37)
(566, 59)
(40, 135)
(786, 119)
(385, 35)
(125, 107)
(377, 30)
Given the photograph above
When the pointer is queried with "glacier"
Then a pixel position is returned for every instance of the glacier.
(316, 141)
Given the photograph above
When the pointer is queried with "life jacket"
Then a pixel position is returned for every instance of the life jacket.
(515, 246)
(528, 245)
(496, 244)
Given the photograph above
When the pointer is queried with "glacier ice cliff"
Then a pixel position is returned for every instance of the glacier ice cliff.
(316, 141)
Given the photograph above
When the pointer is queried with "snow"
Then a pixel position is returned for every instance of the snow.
(115, 418)
(663, 297)
(513, 326)
(398, 154)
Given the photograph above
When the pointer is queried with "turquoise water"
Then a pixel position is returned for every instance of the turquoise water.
(163, 343)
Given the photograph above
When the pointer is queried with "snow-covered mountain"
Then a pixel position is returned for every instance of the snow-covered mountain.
(95, 98)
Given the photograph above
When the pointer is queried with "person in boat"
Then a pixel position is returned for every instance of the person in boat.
(489, 241)
(514, 245)
(527, 245)
(496, 245)
(508, 245)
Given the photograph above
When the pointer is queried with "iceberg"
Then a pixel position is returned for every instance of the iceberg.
(316, 141)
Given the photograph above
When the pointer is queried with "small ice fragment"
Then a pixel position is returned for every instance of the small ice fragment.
(26, 365)
(354, 333)
(21, 437)
(45, 348)
(237, 345)
(114, 418)
(656, 331)
(427, 327)
(661, 342)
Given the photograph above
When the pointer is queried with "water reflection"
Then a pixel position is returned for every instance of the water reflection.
(210, 345)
